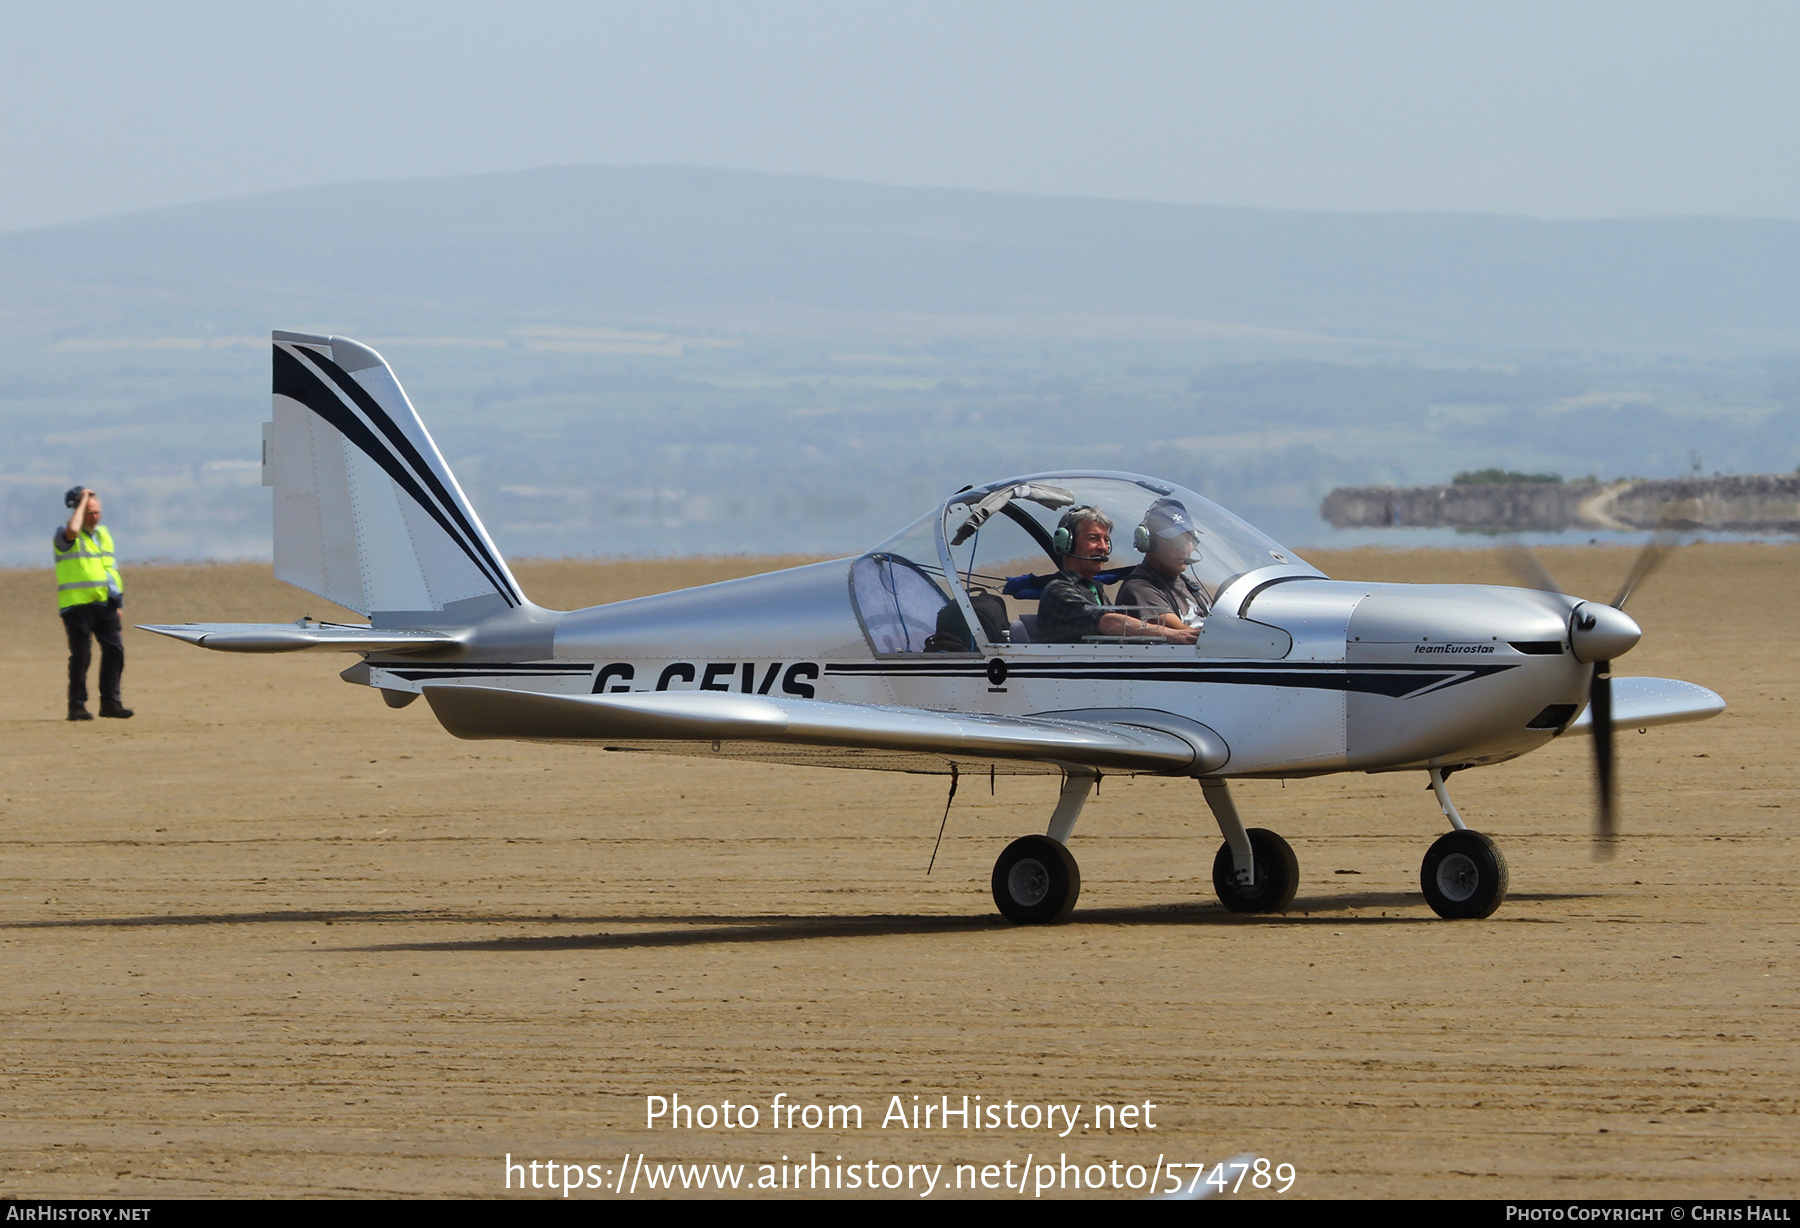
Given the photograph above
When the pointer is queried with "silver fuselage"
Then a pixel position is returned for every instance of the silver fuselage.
(1362, 676)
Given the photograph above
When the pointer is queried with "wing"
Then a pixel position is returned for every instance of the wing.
(1639, 703)
(830, 734)
(301, 637)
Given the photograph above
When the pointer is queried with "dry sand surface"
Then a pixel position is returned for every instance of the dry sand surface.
(271, 938)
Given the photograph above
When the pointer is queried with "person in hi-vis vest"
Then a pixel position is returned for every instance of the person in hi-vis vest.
(89, 595)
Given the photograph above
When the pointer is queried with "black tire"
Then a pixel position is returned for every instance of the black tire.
(1277, 875)
(1036, 881)
(1464, 876)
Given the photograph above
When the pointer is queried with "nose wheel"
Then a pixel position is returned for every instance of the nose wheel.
(1464, 876)
(1036, 881)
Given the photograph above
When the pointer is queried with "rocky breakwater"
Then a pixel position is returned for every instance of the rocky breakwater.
(1747, 503)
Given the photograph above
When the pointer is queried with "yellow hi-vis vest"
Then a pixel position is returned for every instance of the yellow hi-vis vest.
(86, 572)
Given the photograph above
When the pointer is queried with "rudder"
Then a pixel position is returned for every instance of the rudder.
(367, 514)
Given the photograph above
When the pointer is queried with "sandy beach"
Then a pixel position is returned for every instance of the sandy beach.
(271, 938)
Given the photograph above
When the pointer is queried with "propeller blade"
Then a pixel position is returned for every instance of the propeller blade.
(1648, 560)
(1529, 569)
(1606, 820)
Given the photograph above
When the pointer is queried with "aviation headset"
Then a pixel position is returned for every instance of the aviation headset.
(1170, 513)
(1063, 542)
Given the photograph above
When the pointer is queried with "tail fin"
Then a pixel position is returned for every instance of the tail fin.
(366, 510)
(367, 514)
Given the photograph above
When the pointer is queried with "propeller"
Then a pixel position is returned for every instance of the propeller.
(1648, 560)
(1598, 633)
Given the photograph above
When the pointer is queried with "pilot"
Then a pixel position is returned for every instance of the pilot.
(1073, 605)
(1159, 589)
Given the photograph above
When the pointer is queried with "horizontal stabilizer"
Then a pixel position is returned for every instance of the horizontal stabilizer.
(1639, 703)
(708, 717)
(302, 637)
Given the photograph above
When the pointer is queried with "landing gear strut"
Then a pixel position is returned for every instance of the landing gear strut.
(1036, 880)
(1464, 873)
(1256, 870)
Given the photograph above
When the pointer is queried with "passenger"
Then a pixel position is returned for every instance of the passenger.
(1159, 590)
(1071, 608)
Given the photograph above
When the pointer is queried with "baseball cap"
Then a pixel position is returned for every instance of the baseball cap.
(1168, 518)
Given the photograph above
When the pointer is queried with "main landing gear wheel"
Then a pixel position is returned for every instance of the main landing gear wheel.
(1275, 878)
(1464, 875)
(1036, 881)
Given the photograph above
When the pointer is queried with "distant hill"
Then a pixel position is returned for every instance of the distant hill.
(680, 361)
(699, 248)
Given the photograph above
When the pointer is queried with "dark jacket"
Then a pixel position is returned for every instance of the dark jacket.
(1069, 609)
(1153, 592)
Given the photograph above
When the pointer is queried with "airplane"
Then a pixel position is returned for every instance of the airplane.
(909, 657)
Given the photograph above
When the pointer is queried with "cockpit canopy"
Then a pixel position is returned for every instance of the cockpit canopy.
(967, 576)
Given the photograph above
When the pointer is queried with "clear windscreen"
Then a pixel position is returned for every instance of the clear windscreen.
(1001, 544)
(899, 590)
(1018, 536)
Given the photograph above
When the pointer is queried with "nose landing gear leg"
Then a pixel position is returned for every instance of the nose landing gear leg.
(1464, 873)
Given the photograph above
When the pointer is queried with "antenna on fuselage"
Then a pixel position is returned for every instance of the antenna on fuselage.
(945, 822)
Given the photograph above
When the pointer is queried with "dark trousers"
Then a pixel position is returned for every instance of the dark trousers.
(100, 620)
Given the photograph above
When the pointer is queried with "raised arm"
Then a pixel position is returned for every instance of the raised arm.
(73, 529)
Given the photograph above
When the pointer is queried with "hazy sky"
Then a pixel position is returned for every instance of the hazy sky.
(1557, 109)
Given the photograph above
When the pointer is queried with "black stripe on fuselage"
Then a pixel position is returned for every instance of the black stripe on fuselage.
(293, 380)
(1397, 681)
(429, 673)
(476, 667)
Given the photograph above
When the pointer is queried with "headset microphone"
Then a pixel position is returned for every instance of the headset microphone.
(1063, 542)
